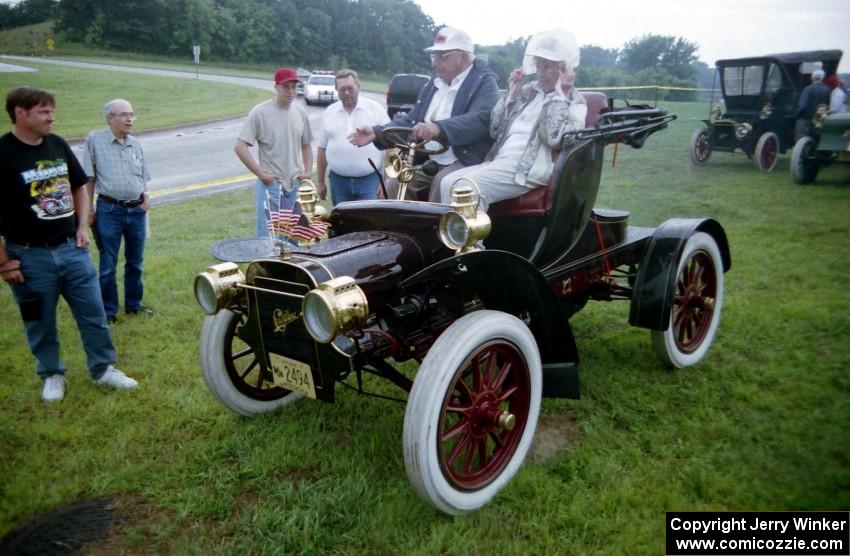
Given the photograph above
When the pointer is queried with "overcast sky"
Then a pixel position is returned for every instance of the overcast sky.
(721, 28)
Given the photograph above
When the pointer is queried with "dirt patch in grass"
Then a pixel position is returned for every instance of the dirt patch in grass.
(554, 434)
(136, 515)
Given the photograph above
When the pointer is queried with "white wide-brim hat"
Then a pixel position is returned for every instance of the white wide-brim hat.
(557, 45)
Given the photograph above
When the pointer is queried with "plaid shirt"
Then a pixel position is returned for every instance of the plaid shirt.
(118, 169)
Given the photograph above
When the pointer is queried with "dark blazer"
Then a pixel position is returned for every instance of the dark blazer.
(467, 131)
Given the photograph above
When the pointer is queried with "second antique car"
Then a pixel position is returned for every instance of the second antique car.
(828, 142)
(760, 96)
(400, 281)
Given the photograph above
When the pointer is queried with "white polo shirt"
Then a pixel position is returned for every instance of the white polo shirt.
(344, 158)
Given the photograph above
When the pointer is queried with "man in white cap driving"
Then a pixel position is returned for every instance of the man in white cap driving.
(530, 123)
(452, 108)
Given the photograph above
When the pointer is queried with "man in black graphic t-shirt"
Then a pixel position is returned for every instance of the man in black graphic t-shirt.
(44, 252)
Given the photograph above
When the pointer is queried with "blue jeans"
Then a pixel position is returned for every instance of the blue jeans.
(113, 223)
(271, 193)
(344, 188)
(65, 270)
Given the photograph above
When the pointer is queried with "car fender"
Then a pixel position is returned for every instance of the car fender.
(652, 298)
(507, 282)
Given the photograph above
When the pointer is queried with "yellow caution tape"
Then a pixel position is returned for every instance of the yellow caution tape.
(643, 87)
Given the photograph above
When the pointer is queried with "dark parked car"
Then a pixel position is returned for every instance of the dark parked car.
(760, 95)
(407, 280)
(402, 92)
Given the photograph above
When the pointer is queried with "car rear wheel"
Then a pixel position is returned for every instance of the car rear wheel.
(697, 302)
(232, 371)
(472, 411)
(767, 150)
(804, 165)
(700, 147)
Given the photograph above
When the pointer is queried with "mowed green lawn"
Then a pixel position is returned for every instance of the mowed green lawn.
(760, 424)
(158, 101)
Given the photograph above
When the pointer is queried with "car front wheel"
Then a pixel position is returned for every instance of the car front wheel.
(232, 370)
(767, 150)
(472, 411)
(804, 165)
(700, 147)
(697, 302)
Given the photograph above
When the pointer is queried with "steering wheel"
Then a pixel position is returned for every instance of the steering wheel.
(395, 136)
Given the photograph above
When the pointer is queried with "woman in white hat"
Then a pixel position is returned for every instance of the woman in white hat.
(529, 122)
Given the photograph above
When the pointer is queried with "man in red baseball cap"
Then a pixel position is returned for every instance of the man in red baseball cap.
(281, 131)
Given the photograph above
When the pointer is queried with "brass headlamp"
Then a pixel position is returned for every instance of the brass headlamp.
(742, 130)
(217, 287)
(334, 307)
(463, 228)
(397, 168)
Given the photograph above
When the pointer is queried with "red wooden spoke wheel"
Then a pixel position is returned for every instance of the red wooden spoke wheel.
(483, 415)
(767, 150)
(700, 146)
(472, 411)
(697, 302)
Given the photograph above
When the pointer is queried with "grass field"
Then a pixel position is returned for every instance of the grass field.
(158, 101)
(32, 40)
(760, 424)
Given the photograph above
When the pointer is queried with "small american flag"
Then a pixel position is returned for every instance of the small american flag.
(292, 223)
(283, 220)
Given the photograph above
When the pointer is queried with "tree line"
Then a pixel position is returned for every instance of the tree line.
(372, 36)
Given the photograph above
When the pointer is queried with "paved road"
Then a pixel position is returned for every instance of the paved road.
(198, 159)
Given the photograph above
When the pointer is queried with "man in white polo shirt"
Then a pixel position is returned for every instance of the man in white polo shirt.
(352, 177)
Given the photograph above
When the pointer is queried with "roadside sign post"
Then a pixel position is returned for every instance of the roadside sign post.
(196, 52)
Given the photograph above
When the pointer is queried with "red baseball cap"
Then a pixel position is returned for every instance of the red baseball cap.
(284, 75)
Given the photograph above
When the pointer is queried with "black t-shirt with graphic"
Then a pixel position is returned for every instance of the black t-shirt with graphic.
(36, 183)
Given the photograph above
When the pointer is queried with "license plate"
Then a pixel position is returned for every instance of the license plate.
(292, 375)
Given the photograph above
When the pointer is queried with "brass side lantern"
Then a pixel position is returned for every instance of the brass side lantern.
(464, 227)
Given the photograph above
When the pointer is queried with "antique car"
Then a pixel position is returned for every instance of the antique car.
(760, 96)
(829, 142)
(481, 301)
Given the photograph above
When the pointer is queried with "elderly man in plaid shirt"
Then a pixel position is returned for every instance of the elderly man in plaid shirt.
(115, 164)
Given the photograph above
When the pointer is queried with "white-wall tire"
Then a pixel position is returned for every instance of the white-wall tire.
(804, 167)
(700, 146)
(767, 151)
(225, 362)
(697, 303)
(439, 403)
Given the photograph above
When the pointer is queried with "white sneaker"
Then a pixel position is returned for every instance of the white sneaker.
(115, 378)
(54, 388)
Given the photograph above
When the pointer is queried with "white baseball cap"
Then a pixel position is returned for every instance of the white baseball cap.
(557, 45)
(449, 38)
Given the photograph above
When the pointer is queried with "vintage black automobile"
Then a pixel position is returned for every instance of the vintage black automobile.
(828, 142)
(760, 96)
(490, 327)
